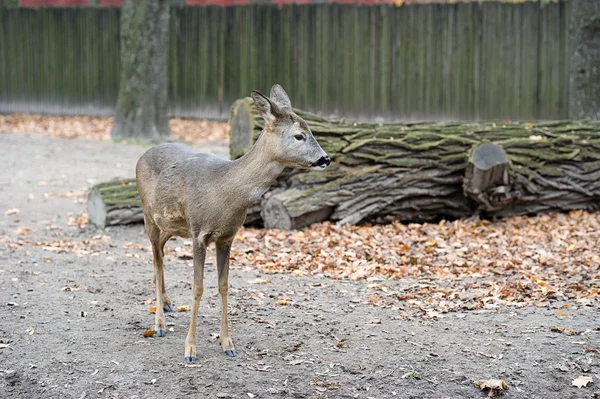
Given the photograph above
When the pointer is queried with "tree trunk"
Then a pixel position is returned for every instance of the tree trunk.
(114, 202)
(141, 110)
(420, 171)
(584, 66)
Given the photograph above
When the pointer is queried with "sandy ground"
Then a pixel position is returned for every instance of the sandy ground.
(331, 343)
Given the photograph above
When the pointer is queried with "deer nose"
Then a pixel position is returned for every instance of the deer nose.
(323, 161)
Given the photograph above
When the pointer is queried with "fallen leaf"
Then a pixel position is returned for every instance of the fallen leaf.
(259, 281)
(494, 386)
(12, 211)
(152, 309)
(581, 381)
(281, 302)
(213, 337)
(147, 301)
(24, 230)
(565, 330)
(77, 287)
(148, 333)
(561, 314)
(183, 308)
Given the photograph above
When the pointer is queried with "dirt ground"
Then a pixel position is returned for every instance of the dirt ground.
(332, 343)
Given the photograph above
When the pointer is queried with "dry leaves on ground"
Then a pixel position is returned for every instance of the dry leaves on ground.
(566, 331)
(78, 220)
(80, 248)
(199, 130)
(548, 260)
(582, 381)
(149, 333)
(493, 387)
(78, 196)
(95, 128)
(450, 266)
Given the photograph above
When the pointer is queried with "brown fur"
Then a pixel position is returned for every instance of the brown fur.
(190, 194)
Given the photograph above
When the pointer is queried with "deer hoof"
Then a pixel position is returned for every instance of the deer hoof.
(169, 308)
(190, 359)
(160, 332)
(231, 352)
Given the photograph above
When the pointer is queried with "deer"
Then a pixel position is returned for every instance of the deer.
(205, 197)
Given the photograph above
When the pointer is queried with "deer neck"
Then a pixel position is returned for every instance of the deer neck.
(257, 170)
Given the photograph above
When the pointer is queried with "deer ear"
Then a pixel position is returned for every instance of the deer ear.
(267, 109)
(280, 97)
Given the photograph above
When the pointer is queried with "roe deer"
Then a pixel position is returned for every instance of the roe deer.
(186, 193)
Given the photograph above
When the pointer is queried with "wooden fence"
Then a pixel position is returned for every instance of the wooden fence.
(431, 61)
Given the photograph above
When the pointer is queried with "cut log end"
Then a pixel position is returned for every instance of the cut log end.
(487, 179)
(488, 156)
(242, 122)
(96, 209)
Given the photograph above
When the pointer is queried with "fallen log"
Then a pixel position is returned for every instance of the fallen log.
(424, 171)
(410, 172)
(114, 202)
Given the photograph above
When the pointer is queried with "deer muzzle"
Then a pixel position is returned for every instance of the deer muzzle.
(323, 161)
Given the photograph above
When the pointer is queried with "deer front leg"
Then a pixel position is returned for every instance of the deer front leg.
(158, 240)
(223, 250)
(197, 291)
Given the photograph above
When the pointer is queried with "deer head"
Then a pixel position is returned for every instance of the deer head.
(288, 136)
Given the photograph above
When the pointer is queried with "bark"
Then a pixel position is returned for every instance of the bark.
(584, 67)
(141, 110)
(418, 171)
(411, 172)
(114, 202)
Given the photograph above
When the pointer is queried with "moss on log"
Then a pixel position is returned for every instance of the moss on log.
(416, 171)
(114, 202)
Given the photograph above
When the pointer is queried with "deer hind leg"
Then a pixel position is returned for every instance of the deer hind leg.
(223, 250)
(158, 240)
(166, 302)
(198, 289)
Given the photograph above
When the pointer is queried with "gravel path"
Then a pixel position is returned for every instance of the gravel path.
(331, 342)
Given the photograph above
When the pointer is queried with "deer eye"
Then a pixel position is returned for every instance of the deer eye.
(299, 137)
